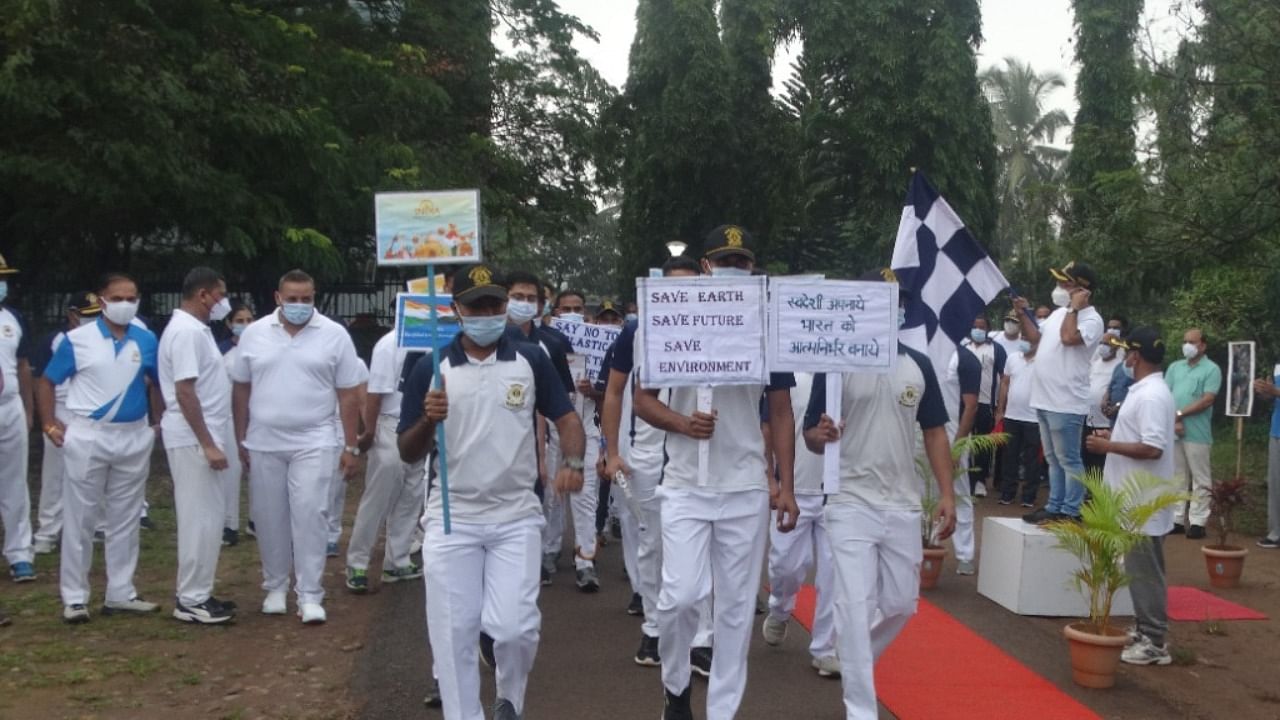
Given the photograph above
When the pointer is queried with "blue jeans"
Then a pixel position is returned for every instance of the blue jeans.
(1060, 435)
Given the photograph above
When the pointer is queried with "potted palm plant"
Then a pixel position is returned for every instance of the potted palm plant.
(1111, 525)
(934, 553)
(1225, 561)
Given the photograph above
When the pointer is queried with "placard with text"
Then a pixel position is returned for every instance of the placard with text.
(832, 325)
(702, 331)
(592, 342)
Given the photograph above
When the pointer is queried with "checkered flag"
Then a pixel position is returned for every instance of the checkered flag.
(950, 277)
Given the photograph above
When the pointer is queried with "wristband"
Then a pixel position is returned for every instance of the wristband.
(574, 463)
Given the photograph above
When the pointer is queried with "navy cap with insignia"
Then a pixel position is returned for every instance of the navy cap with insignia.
(728, 240)
(475, 282)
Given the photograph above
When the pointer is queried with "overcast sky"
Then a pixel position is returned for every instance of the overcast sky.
(1038, 31)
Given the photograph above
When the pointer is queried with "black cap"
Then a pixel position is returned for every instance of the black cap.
(5, 269)
(609, 306)
(1145, 341)
(1078, 273)
(474, 282)
(728, 240)
(86, 304)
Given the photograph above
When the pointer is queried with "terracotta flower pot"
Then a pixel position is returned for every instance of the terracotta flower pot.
(1225, 564)
(1094, 657)
(931, 567)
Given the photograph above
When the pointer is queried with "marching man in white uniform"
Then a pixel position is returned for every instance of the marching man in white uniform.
(874, 522)
(792, 555)
(713, 536)
(196, 425)
(293, 365)
(17, 409)
(110, 367)
(484, 575)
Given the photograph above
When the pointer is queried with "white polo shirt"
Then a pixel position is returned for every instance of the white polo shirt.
(1147, 417)
(13, 347)
(640, 444)
(385, 366)
(295, 380)
(1061, 380)
(188, 351)
(808, 465)
(878, 446)
(1018, 405)
(490, 434)
(1100, 373)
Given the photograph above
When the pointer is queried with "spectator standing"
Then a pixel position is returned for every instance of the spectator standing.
(1195, 382)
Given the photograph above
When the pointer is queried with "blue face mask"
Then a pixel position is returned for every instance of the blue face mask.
(729, 272)
(1128, 372)
(902, 316)
(632, 317)
(4, 290)
(297, 313)
(238, 329)
(978, 335)
(484, 330)
(1024, 347)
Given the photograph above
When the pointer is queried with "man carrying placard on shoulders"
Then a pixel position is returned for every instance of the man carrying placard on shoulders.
(713, 534)
(874, 521)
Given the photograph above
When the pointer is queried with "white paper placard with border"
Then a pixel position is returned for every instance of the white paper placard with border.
(832, 326)
(702, 331)
(592, 342)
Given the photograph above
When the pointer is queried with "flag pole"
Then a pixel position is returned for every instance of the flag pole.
(436, 382)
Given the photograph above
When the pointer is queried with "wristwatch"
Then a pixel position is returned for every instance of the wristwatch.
(353, 449)
(1178, 414)
(574, 463)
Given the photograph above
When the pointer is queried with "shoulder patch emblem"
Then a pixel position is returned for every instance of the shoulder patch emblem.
(910, 397)
(7, 331)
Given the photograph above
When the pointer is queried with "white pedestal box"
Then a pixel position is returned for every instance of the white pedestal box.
(1021, 568)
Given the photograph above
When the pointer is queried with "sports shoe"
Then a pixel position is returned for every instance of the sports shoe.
(549, 563)
(677, 706)
(22, 572)
(433, 699)
(274, 604)
(358, 580)
(75, 614)
(251, 531)
(230, 538)
(965, 567)
(1145, 652)
(980, 489)
(486, 651)
(1006, 501)
(1195, 532)
(401, 574)
(1028, 505)
(827, 667)
(647, 655)
(331, 550)
(505, 710)
(209, 612)
(635, 608)
(312, 613)
(1039, 517)
(226, 605)
(134, 605)
(1178, 529)
(700, 661)
(146, 524)
(774, 630)
(588, 582)
(1269, 543)
(1132, 635)
(44, 547)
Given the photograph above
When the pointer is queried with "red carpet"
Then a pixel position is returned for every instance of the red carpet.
(927, 674)
(1194, 605)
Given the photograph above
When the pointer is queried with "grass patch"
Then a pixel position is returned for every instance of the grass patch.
(1183, 656)
(190, 679)
(1214, 627)
(143, 666)
(236, 714)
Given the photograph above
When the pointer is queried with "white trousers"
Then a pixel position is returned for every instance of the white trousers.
(198, 502)
(103, 463)
(288, 501)
(962, 541)
(337, 503)
(583, 505)
(482, 577)
(51, 472)
(231, 479)
(877, 557)
(713, 546)
(393, 493)
(1192, 471)
(15, 497)
(791, 556)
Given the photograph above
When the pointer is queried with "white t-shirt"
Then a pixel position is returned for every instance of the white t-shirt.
(1100, 372)
(295, 380)
(1010, 346)
(385, 365)
(188, 351)
(1061, 380)
(1018, 404)
(808, 465)
(11, 347)
(1147, 417)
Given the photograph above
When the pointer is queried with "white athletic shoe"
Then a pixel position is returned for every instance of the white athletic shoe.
(774, 631)
(1144, 652)
(276, 603)
(980, 490)
(965, 567)
(312, 613)
(828, 666)
(135, 605)
(44, 547)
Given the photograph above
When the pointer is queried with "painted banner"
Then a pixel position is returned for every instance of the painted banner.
(414, 329)
(832, 325)
(702, 331)
(417, 228)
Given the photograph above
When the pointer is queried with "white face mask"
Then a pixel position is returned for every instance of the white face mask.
(572, 317)
(729, 272)
(1061, 297)
(220, 310)
(1190, 351)
(121, 312)
(521, 311)
(1114, 332)
(1011, 329)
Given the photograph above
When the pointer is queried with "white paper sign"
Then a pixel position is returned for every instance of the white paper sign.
(592, 342)
(1241, 359)
(832, 325)
(702, 331)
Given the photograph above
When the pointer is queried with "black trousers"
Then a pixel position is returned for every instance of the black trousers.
(1021, 461)
(981, 463)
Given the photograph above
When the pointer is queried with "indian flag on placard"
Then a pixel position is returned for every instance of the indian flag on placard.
(416, 313)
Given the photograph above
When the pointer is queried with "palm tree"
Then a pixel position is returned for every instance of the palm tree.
(1031, 169)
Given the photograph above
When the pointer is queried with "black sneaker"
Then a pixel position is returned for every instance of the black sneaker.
(647, 655)
(486, 651)
(209, 612)
(677, 707)
(1039, 517)
(226, 605)
(1269, 543)
(433, 699)
(588, 582)
(700, 661)
(1195, 532)
(230, 538)
(146, 524)
(1178, 529)
(636, 607)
